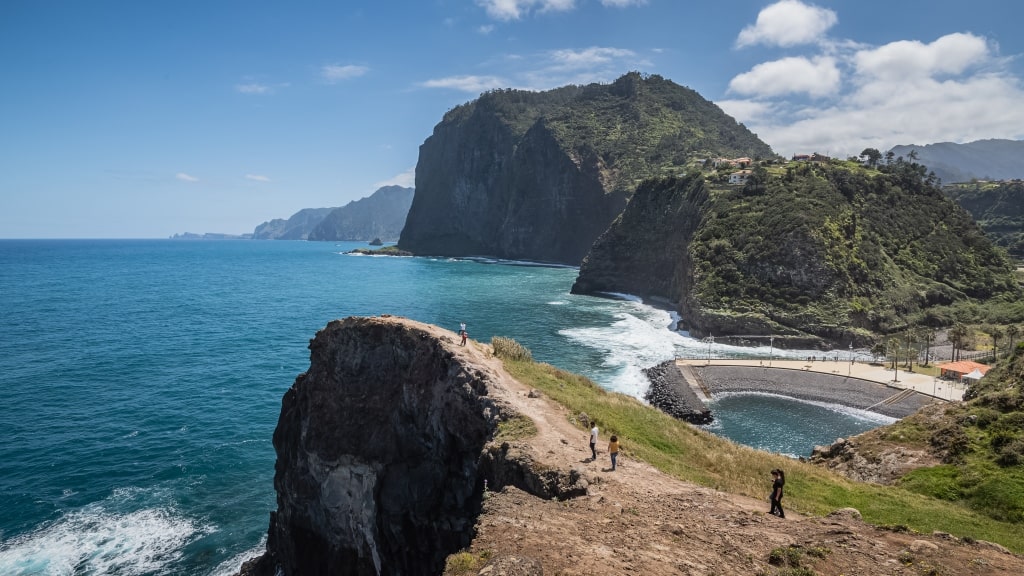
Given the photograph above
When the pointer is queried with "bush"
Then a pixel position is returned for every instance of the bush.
(509, 349)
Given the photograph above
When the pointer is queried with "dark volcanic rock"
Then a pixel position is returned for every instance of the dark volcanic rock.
(670, 393)
(377, 450)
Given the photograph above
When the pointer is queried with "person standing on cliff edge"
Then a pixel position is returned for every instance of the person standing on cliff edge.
(778, 481)
(593, 441)
(462, 333)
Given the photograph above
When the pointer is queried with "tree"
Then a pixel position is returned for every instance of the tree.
(997, 334)
(872, 155)
(957, 337)
(928, 336)
(1012, 331)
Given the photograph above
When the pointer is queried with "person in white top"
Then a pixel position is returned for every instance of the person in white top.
(593, 441)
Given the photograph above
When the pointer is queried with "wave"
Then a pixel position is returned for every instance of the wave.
(98, 540)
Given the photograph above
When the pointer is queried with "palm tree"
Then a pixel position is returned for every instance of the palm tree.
(1012, 331)
(957, 337)
(996, 333)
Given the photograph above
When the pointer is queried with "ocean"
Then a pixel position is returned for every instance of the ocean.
(143, 380)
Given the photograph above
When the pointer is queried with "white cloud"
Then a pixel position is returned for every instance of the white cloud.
(516, 9)
(185, 177)
(406, 179)
(910, 59)
(252, 88)
(794, 75)
(257, 178)
(623, 3)
(472, 84)
(586, 58)
(788, 23)
(485, 29)
(953, 89)
(334, 73)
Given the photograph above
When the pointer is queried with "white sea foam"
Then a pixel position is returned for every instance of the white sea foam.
(640, 336)
(231, 565)
(94, 540)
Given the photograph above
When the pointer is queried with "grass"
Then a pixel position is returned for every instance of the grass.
(693, 455)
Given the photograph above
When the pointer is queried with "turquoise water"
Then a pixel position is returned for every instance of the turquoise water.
(143, 379)
(779, 424)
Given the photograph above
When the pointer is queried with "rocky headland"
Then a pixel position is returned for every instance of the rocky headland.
(396, 454)
(540, 175)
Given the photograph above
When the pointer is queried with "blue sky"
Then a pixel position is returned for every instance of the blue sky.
(140, 119)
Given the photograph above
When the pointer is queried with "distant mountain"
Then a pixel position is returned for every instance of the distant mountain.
(983, 159)
(297, 227)
(540, 175)
(210, 236)
(380, 215)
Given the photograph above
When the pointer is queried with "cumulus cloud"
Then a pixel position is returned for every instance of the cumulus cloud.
(911, 59)
(515, 9)
(953, 89)
(334, 73)
(587, 57)
(257, 178)
(788, 23)
(794, 75)
(472, 84)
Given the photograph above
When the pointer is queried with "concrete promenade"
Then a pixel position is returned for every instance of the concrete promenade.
(927, 385)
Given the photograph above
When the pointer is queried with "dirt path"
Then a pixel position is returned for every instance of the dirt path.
(636, 520)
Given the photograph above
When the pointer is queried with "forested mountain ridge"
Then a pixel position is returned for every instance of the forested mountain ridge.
(999, 209)
(539, 175)
(812, 254)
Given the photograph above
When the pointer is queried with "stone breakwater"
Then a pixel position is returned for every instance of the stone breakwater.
(813, 386)
(670, 393)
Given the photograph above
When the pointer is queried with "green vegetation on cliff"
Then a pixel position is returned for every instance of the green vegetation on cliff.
(998, 207)
(693, 455)
(834, 251)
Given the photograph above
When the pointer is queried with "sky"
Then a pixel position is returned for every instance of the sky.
(142, 119)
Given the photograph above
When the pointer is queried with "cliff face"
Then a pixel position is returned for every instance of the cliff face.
(377, 449)
(539, 176)
(380, 215)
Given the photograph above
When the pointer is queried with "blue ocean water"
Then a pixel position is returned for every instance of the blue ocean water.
(143, 379)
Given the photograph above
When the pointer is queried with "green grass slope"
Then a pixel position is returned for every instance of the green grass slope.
(692, 455)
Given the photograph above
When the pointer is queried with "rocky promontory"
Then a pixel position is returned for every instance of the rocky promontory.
(401, 452)
(540, 175)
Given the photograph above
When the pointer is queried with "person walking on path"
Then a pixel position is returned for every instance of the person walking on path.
(593, 441)
(778, 481)
(613, 449)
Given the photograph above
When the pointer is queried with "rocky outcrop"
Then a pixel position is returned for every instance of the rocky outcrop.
(384, 449)
(540, 175)
(380, 215)
(377, 453)
(845, 457)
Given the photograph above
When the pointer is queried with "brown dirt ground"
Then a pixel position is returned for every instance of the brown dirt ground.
(637, 520)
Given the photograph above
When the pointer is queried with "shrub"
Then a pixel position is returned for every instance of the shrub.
(509, 349)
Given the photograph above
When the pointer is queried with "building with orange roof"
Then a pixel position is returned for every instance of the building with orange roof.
(957, 370)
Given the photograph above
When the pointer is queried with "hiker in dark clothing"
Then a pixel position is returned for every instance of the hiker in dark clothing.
(778, 481)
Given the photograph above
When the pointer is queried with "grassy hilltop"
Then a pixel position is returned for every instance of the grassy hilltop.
(813, 252)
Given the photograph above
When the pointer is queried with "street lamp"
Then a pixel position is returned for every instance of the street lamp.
(710, 340)
(849, 369)
(771, 349)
